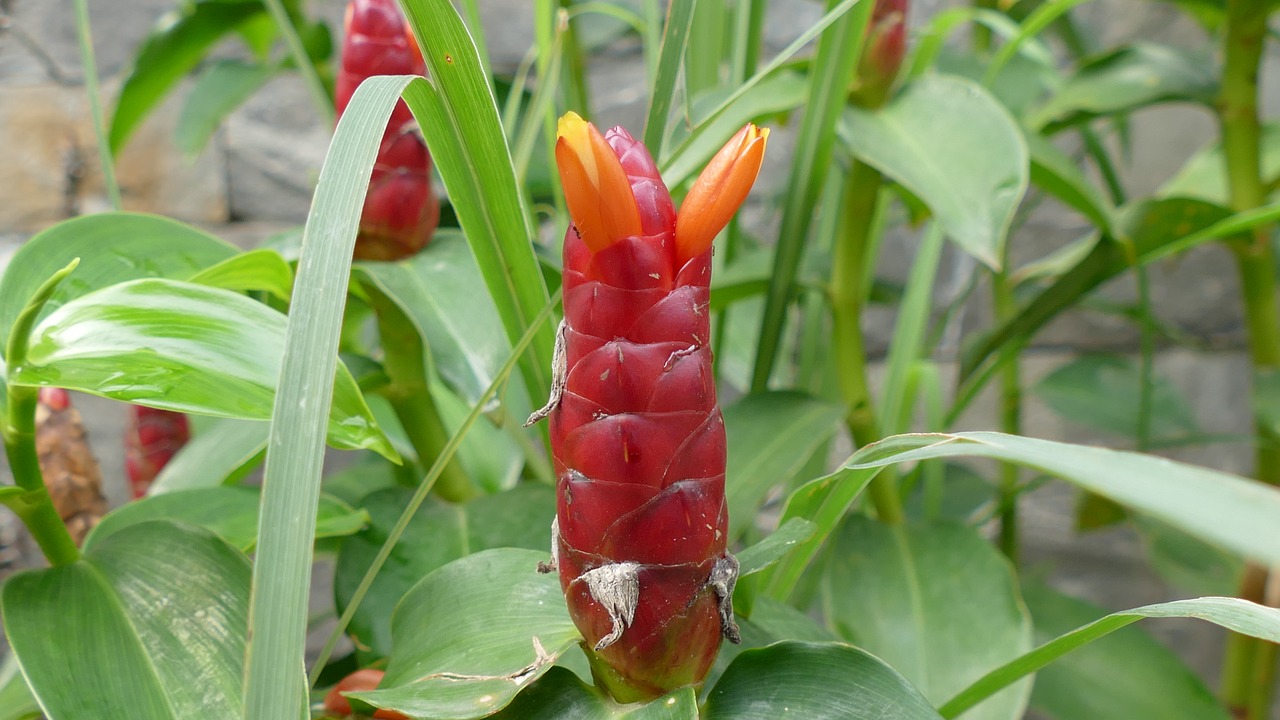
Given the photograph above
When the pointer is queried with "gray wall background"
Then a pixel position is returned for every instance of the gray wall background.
(256, 176)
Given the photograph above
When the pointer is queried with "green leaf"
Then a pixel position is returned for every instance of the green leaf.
(675, 38)
(837, 56)
(113, 248)
(219, 453)
(1101, 392)
(183, 347)
(770, 438)
(221, 88)
(158, 613)
(440, 291)
(260, 270)
(560, 695)
(1241, 616)
(1126, 79)
(1190, 498)
(770, 621)
(771, 549)
(472, 634)
(274, 687)
(1120, 677)
(944, 608)
(180, 40)
(954, 146)
(438, 533)
(459, 116)
(229, 512)
(16, 700)
(816, 682)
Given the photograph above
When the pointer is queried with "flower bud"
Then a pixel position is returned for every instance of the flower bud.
(719, 191)
(882, 54)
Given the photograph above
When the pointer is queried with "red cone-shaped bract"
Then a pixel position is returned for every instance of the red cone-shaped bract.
(152, 439)
(639, 445)
(400, 210)
(882, 54)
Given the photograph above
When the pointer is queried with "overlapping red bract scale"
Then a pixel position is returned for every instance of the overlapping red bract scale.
(400, 210)
(638, 441)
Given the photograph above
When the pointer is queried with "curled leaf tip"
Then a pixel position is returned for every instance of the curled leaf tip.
(719, 191)
(596, 187)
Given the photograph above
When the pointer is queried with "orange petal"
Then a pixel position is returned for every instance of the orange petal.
(596, 187)
(718, 191)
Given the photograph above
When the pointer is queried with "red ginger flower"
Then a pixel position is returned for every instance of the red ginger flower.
(336, 703)
(400, 210)
(637, 438)
(150, 442)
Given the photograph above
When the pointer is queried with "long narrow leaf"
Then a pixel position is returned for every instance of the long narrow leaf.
(461, 125)
(274, 686)
(838, 53)
(1234, 614)
(675, 38)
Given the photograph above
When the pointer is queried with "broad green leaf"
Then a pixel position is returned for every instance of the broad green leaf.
(16, 700)
(180, 40)
(771, 436)
(814, 681)
(261, 270)
(442, 292)
(770, 621)
(472, 634)
(1101, 392)
(459, 116)
(560, 695)
(183, 347)
(1204, 176)
(1123, 676)
(222, 452)
(229, 512)
(158, 614)
(955, 147)
(220, 89)
(944, 608)
(1241, 616)
(112, 247)
(438, 533)
(1126, 79)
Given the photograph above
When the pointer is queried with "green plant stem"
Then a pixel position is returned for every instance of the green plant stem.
(35, 506)
(319, 93)
(982, 33)
(84, 34)
(1010, 413)
(1249, 666)
(859, 203)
